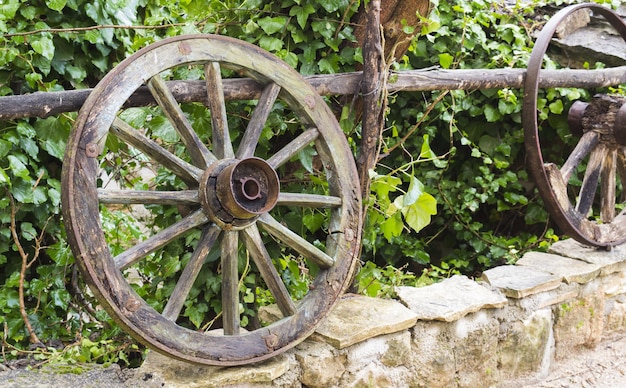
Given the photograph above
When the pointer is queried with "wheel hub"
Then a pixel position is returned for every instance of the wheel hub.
(235, 192)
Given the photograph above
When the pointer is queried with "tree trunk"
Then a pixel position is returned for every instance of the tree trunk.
(393, 16)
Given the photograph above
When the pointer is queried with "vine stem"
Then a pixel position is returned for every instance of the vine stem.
(90, 28)
(25, 265)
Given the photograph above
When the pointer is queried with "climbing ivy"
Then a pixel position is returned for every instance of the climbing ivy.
(451, 167)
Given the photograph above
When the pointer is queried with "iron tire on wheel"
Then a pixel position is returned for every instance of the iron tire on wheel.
(596, 223)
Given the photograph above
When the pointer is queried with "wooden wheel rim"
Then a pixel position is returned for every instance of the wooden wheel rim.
(86, 237)
(570, 220)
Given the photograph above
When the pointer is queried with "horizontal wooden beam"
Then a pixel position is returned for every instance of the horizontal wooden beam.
(44, 104)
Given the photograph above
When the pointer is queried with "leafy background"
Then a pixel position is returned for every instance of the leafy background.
(451, 165)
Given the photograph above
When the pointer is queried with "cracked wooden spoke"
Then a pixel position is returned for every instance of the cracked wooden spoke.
(607, 186)
(159, 240)
(200, 154)
(292, 149)
(230, 283)
(585, 145)
(145, 197)
(296, 242)
(257, 121)
(590, 181)
(190, 273)
(217, 105)
(308, 200)
(189, 173)
(263, 261)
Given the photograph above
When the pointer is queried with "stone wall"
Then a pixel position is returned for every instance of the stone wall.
(512, 323)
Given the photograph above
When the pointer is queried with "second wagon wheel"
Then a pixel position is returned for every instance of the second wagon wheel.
(586, 194)
(277, 198)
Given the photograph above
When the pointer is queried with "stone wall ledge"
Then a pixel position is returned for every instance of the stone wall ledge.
(512, 323)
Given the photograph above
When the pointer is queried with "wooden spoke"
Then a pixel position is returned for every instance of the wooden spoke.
(292, 149)
(159, 240)
(557, 184)
(296, 242)
(230, 283)
(187, 172)
(200, 154)
(263, 261)
(590, 181)
(308, 200)
(587, 143)
(608, 182)
(190, 273)
(257, 121)
(217, 105)
(145, 197)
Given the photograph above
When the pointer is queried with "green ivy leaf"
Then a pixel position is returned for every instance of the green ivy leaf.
(18, 168)
(302, 13)
(44, 46)
(271, 25)
(270, 43)
(446, 60)
(556, 107)
(383, 184)
(392, 226)
(492, 114)
(418, 214)
(56, 5)
(333, 5)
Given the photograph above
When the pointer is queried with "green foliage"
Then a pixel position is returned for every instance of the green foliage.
(470, 147)
(462, 164)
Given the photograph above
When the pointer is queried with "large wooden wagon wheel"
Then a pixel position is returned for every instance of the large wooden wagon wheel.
(586, 195)
(236, 202)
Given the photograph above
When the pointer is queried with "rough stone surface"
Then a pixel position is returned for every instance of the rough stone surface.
(615, 316)
(476, 350)
(467, 334)
(549, 298)
(356, 318)
(612, 261)
(388, 357)
(518, 282)
(434, 365)
(578, 322)
(614, 284)
(322, 365)
(449, 300)
(572, 271)
(525, 345)
(182, 374)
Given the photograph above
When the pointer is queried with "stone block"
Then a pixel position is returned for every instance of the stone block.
(610, 262)
(476, 350)
(449, 300)
(525, 345)
(322, 365)
(615, 316)
(181, 374)
(578, 322)
(356, 318)
(518, 282)
(538, 301)
(433, 355)
(614, 284)
(383, 361)
(571, 270)
(461, 353)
